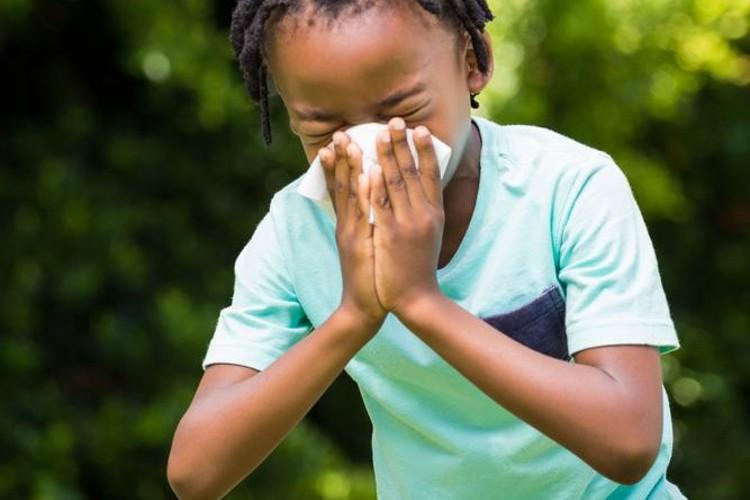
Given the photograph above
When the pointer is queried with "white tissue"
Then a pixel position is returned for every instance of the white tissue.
(313, 184)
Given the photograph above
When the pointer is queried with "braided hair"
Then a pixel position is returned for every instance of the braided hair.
(250, 17)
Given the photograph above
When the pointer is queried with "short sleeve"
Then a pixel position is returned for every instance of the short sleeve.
(608, 267)
(265, 317)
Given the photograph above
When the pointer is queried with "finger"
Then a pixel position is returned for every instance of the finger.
(352, 200)
(395, 186)
(363, 203)
(354, 157)
(406, 162)
(327, 161)
(429, 170)
(379, 200)
(342, 186)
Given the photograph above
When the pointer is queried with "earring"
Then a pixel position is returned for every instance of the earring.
(472, 99)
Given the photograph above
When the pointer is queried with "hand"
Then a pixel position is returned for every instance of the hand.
(409, 217)
(349, 189)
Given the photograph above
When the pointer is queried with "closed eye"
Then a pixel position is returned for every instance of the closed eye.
(327, 137)
(405, 116)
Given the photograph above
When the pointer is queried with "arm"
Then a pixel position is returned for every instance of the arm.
(238, 415)
(606, 408)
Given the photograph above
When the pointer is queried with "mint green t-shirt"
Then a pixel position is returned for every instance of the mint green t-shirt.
(556, 256)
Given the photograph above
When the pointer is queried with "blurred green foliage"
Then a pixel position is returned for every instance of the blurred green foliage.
(132, 172)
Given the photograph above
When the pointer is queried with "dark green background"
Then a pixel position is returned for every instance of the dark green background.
(132, 172)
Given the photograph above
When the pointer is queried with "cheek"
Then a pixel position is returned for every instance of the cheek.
(446, 119)
(443, 128)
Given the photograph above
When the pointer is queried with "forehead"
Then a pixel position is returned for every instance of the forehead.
(360, 56)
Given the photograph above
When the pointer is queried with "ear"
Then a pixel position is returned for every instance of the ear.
(475, 79)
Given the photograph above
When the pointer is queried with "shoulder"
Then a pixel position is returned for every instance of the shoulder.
(289, 207)
(531, 145)
(533, 148)
(538, 158)
(301, 224)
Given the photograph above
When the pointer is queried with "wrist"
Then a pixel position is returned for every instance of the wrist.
(416, 305)
(359, 322)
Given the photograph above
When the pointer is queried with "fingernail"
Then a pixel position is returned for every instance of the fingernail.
(385, 137)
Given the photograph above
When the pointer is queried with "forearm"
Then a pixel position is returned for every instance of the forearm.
(227, 434)
(581, 407)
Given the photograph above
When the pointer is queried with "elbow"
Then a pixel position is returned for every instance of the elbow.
(634, 462)
(180, 480)
(186, 484)
(180, 485)
(186, 474)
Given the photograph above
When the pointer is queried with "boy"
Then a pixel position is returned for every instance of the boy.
(507, 346)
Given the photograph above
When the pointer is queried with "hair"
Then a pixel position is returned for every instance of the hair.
(250, 17)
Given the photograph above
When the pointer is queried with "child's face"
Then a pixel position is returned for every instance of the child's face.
(331, 78)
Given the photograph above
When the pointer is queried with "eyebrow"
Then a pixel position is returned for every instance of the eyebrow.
(313, 114)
